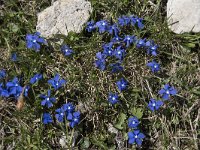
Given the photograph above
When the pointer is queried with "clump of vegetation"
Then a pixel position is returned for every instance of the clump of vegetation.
(125, 82)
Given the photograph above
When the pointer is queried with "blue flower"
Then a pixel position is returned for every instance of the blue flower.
(66, 50)
(116, 67)
(135, 137)
(122, 84)
(129, 40)
(100, 63)
(107, 50)
(46, 118)
(113, 29)
(35, 78)
(113, 98)
(155, 67)
(116, 39)
(133, 122)
(26, 91)
(124, 21)
(167, 91)
(14, 56)
(102, 26)
(141, 43)
(154, 104)
(119, 53)
(90, 26)
(56, 82)
(47, 100)
(2, 74)
(68, 107)
(152, 50)
(14, 87)
(73, 118)
(33, 41)
(60, 114)
(3, 92)
(139, 22)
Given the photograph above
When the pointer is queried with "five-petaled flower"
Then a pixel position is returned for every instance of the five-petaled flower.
(68, 107)
(113, 98)
(14, 87)
(135, 137)
(119, 53)
(35, 78)
(67, 51)
(154, 104)
(34, 40)
(46, 118)
(90, 26)
(167, 91)
(60, 114)
(102, 26)
(133, 122)
(73, 118)
(47, 100)
(56, 82)
(122, 84)
(129, 40)
(155, 67)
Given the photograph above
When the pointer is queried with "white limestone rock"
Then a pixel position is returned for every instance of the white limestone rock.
(183, 15)
(63, 16)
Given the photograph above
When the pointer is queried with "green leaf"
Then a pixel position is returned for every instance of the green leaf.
(121, 121)
(137, 112)
(86, 143)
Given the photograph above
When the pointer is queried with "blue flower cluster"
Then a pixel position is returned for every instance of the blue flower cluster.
(117, 46)
(67, 111)
(116, 49)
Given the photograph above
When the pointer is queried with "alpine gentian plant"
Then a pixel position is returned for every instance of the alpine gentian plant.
(68, 107)
(46, 118)
(74, 119)
(141, 43)
(35, 78)
(119, 53)
(100, 63)
(60, 114)
(14, 56)
(152, 50)
(102, 26)
(56, 82)
(113, 98)
(116, 67)
(107, 50)
(90, 26)
(2, 74)
(113, 29)
(47, 100)
(129, 40)
(154, 104)
(155, 67)
(167, 91)
(66, 50)
(135, 137)
(122, 84)
(133, 122)
(14, 87)
(26, 91)
(33, 41)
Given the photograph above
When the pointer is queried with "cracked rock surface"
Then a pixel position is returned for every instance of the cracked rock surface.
(63, 16)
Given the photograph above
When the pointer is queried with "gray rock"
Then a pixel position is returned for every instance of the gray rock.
(63, 16)
(183, 15)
